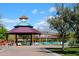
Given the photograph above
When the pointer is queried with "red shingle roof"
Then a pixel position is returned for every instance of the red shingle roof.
(28, 30)
(50, 37)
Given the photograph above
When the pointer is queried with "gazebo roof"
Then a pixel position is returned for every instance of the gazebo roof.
(24, 30)
(24, 23)
(23, 27)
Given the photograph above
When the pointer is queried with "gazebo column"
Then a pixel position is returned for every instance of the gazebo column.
(32, 39)
(16, 40)
(7, 37)
(40, 40)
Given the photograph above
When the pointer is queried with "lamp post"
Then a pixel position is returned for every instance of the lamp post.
(62, 26)
(46, 36)
(62, 29)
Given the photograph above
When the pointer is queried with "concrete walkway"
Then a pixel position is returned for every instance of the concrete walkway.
(25, 51)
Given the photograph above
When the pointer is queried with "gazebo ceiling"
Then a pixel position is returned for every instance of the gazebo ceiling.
(23, 30)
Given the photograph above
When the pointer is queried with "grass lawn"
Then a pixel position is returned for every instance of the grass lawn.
(67, 51)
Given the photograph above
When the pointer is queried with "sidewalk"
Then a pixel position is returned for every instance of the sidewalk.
(26, 51)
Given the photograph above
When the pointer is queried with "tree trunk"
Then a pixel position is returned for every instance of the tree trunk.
(62, 37)
(62, 44)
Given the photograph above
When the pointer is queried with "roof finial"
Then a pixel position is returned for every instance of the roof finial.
(23, 17)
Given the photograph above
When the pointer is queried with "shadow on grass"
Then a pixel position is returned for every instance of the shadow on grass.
(44, 50)
(67, 51)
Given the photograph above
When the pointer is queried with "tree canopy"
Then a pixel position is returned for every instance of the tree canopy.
(66, 21)
(3, 30)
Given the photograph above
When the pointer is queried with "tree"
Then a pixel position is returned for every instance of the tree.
(60, 23)
(2, 33)
(67, 21)
(3, 30)
(72, 18)
(62, 27)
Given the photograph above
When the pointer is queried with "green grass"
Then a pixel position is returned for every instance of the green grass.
(67, 51)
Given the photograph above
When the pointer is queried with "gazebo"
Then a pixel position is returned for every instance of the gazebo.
(24, 32)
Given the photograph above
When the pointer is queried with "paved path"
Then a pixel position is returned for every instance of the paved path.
(26, 51)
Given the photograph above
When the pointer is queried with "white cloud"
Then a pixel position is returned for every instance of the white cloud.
(9, 23)
(52, 9)
(43, 25)
(49, 17)
(42, 12)
(34, 11)
(10, 20)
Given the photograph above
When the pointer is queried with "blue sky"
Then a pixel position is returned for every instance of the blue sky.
(36, 12)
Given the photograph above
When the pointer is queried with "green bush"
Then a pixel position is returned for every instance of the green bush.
(2, 36)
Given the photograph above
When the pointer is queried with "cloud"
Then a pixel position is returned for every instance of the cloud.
(44, 20)
(9, 23)
(10, 20)
(52, 9)
(34, 11)
(50, 17)
(42, 12)
(43, 26)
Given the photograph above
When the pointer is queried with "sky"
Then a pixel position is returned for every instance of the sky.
(36, 12)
